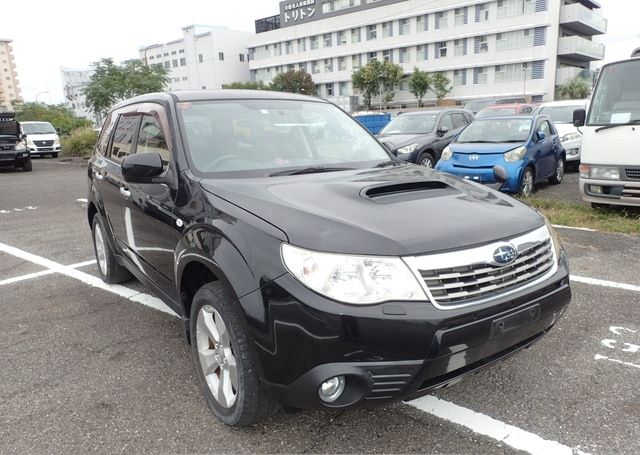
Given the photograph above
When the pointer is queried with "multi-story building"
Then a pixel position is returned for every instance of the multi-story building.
(9, 84)
(74, 81)
(487, 48)
(205, 58)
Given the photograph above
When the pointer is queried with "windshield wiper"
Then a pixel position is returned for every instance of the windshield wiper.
(615, 125)
(310, 170)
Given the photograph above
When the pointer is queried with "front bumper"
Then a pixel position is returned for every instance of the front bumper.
(572, 149)
(392, 351)
(13, 159)
(615, 192)
(484, 174)
(37, 151)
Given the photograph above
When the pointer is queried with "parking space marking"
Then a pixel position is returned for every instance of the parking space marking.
(31, 276)
(620, 346)
(560, 226)
(487, 426)
(621, 362)
(605, 283)
(122, 291)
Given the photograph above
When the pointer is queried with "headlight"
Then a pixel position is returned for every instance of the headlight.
(447, 153)
(554, 238)
(515, 154)
(353, 279)
(599, 172)
(408, 148)
(30, 143)
(570, 137)
(20, 147)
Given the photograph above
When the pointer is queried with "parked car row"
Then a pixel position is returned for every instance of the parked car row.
(19, 141)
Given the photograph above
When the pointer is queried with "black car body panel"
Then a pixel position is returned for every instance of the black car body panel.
(187, 224)
(13, 153)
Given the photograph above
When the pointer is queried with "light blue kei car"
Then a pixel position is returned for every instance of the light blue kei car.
(527, 147)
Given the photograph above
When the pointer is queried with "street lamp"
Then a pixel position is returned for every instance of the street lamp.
(40, 93)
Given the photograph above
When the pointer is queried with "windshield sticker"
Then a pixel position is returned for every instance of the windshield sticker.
(264, 111)
(621, 117)
(185, 106)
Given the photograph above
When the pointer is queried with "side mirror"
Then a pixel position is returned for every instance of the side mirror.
(443, 130)
(500, 174)
(579, 117)
(142, 168)
(23, 136)
(541, 136)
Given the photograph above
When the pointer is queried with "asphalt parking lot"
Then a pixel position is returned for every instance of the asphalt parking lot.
(90, 367)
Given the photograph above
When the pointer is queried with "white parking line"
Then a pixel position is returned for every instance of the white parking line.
(605, 283)
(122, 291)
(560, 226)
(494, 429)
(621, 362)
(30, 276)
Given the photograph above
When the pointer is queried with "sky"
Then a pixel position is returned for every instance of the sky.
(50, 34)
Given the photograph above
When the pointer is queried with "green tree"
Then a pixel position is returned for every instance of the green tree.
(62, 118)
(258, 85)
(440, 85)
(112, 83)
(367, 80)
(294, 82)
(575, 89)
(419, 84)
(391, 76)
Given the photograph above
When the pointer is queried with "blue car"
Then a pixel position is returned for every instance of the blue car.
(526, 146)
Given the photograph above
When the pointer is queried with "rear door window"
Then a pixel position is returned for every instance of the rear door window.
(105, 134)
(126, 130)
(446, 122)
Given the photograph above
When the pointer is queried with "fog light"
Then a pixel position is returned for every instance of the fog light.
(573, 152)
(331, 389)
(596, 189)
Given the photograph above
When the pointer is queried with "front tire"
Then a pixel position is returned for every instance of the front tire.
(54, 155)
(427, 160)
(526, 183)
(556, 178)
(110, 271)
(227, 367)
(27, 166)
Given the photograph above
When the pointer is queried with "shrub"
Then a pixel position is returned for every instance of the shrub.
(80, 142)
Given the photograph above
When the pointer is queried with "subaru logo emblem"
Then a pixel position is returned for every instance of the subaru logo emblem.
(504, 255)
(474, 157)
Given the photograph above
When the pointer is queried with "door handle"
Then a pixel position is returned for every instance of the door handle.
(125, 192)
(98, 175)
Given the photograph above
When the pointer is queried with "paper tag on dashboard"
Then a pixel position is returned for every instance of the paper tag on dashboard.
(621, 117)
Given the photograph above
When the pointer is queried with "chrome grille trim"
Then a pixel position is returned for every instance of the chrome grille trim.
(470, 277)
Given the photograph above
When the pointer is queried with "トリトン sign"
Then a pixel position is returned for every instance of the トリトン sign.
(297, 11)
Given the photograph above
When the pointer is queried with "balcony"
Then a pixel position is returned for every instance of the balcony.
(582, 20)
(580, 49)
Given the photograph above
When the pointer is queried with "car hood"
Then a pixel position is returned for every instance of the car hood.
(42, 137)
(401, 210)
(565, 128)
(400, 140)
(484, 149)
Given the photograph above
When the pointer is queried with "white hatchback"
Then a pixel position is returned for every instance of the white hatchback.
(561, 113)
(42, 138)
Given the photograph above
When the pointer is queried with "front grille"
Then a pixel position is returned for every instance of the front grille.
(632, 174)
(43, 143)
(466, 277)
(629, 191)
(6, 147)
(45, 149)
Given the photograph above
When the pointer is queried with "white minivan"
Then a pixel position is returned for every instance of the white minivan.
(42, 138)
(561, 113)
(610, 169)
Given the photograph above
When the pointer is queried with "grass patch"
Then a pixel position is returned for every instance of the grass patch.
(624, 220)
(80, 142)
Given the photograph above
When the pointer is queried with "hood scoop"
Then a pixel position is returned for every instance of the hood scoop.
(410, 190)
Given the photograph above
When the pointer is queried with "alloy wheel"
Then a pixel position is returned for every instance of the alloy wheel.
(101, 249)
(527, 183)
(560, 170)
(217, 359)
(427, 162)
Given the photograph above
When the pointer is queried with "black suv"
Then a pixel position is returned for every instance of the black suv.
(420, 137)
(13, 148)
(309, 266)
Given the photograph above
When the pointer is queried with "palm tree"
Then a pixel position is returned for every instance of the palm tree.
(575, 89)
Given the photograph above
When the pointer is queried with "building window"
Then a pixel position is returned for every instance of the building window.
(315, 67)
(291, 67)
(342, 63)
(372, 32)
(200, 59)
(183, 61)
(458, 47)
(277, 49)
(166, 54)
(514, 40)
(441, 49)
(241, 56)
(422, 23)
(329, 89)
(508, 8)
(482, 12)
(173, 52)
(175, 63)
(221, 56)
(387, 29)
(185, 78)
(404, 27)
(167, 64)
(356, 61)
(441, 20)
(313, 43)
(387, 55)
(480, 75)
(328, 65)
(459, 77)
(150, 58)
(288, 47)
(158, 56)
(460, 16)
(481, 45)
(343, 88)
(355, 35)
(371, 56)
(302, 45)
(342, 38)
(327, 39)
(422, 53)
(404, 55)
(512, 72)
(181, 51)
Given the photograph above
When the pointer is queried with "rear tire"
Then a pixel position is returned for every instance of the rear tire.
(556, 179)
(227, 366)
(27, 166)
(526, 183)
(110, 271)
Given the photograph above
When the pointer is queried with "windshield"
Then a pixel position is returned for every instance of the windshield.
(411, 124)
(9, 127)
(496, 112)
(616, 98)
(497, 130)
(560, 114)
(266, 135)
(38, 128)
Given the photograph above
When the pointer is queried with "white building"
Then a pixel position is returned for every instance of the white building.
(10, 94)
(205, 58)
(74, 81)
(487, 48)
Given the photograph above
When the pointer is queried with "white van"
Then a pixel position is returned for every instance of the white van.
(42, 138)
(610, 169)
(561, 113)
